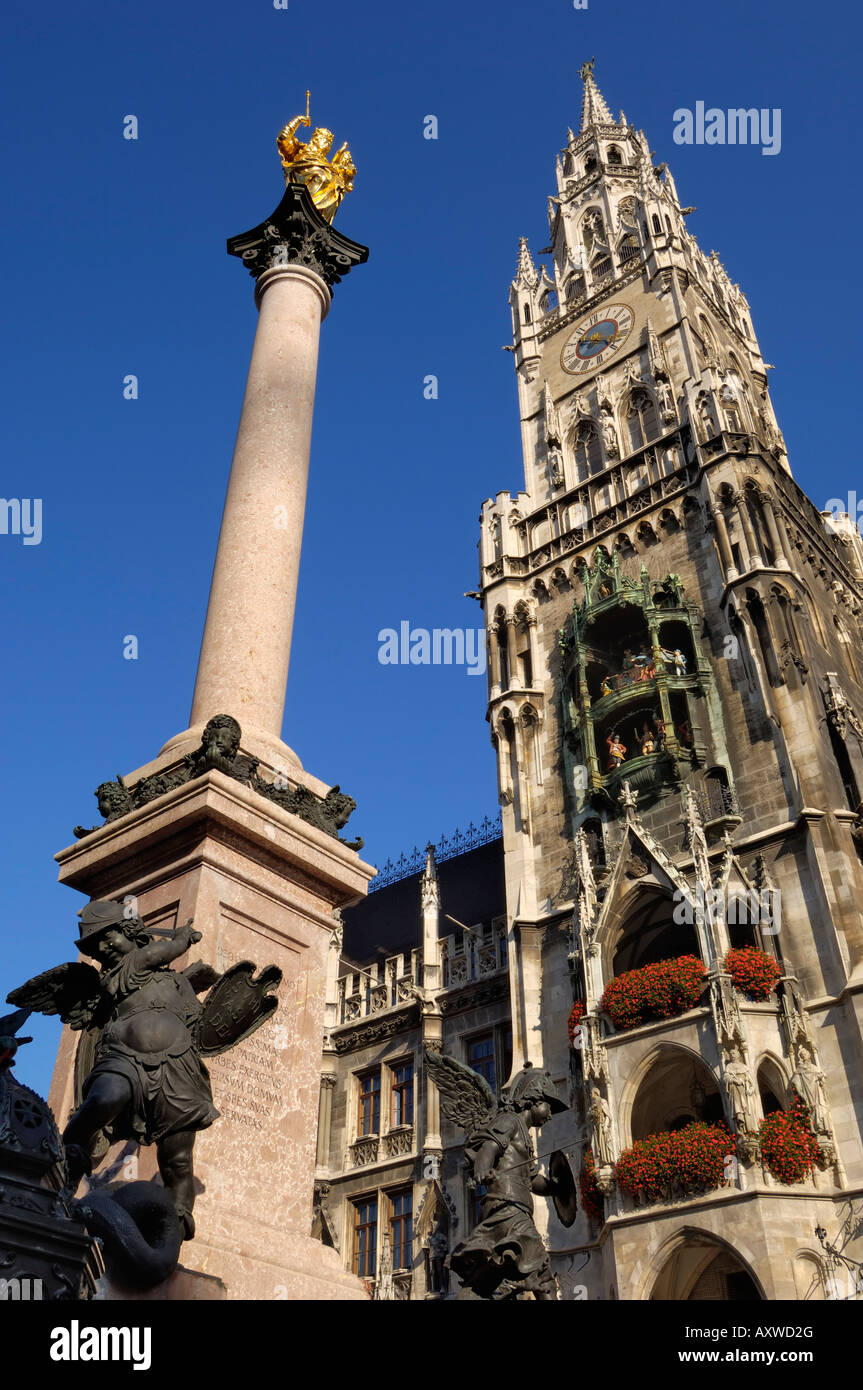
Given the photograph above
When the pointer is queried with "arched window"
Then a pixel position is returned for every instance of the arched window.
(588, 453)
(771, 1087)
(590, 165)
(614, 155)
(567, 164)
(641, 420)
(657, 223)
(576, 287)
(755, 508)
(527, 313)
(628, 248)
(765, 641)
(651, 934)
(596, 242)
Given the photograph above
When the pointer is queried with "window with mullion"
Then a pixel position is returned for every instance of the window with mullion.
(480, 1057)
(366, 1237)
(402, 1228)
(402, 1107)
(369, 1104)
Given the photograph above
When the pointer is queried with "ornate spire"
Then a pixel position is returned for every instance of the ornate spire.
(594, 109)
(429, 888)
(526, 273)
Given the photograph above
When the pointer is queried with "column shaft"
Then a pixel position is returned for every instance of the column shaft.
(243, 666)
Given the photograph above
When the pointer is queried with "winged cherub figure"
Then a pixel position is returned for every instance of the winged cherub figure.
(148, 1082)
(503, 1257)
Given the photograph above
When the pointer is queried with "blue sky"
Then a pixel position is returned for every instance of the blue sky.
(114, 262)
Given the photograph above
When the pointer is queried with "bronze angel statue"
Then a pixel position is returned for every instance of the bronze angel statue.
(504, 1256)
(148, 1082)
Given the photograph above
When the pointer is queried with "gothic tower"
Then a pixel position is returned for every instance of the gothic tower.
(675, 680)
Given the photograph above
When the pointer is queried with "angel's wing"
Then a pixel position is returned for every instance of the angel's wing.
(466, 1099)
(72, 990)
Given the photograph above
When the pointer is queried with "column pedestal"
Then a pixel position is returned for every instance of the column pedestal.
(262, 885)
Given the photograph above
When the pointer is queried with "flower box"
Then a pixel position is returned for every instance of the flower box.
(789, 1149)
(753, 973)
(663, 990)
(676, 1163)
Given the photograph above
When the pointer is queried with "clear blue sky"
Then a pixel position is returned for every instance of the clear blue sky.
(114, 262)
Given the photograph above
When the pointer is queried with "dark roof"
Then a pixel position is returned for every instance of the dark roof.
(471, 888)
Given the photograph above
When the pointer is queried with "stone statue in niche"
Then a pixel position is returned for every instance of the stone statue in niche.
(808, 1082)
(741, 1091)
(599, 1116)
(148, 1083)
(504, 1256)
(609, 435)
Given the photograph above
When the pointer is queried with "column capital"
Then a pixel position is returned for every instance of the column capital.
(295, 234)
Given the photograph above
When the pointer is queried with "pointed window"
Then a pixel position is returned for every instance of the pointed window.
(575, 287)
(614, 155)
(628, 248)
(657, 224)
(588, 454)
(527, 313)
(641, 420)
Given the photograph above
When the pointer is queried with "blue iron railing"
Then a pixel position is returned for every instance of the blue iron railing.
(447, 847)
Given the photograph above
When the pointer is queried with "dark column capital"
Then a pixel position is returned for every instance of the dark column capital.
(296, 234)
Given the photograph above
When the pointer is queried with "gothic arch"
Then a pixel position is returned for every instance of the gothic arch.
(666, 1279)
(772, 1083)
(641, 929)
(586, 447)
(639, 419)
(657, 1095)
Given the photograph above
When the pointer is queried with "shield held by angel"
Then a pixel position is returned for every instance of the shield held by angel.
(504, 1256)
(145, 1034)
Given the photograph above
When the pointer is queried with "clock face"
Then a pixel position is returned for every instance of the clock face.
(596, 339)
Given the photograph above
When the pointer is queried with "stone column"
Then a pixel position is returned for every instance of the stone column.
(296, 258)
(723, 542)
(494, 658)
(325, 1118)
(780, 559)
(243, 666)
(512, 655)
(755, 560)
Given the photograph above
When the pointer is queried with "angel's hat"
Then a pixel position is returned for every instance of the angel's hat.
(97, 917)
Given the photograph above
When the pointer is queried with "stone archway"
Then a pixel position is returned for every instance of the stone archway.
(702, 1268)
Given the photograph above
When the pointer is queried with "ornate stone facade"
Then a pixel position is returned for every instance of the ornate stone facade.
(675, 700)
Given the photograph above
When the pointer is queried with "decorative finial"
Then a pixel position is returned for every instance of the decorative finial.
(586, 69)
(328, 180)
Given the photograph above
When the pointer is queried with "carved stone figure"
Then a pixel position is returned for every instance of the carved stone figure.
(666, 399)
(599, 1116)
(555, 468)
(741, 1091)
(149, 1083)
(503, 1257)
(808, 1082)
(609, 435)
